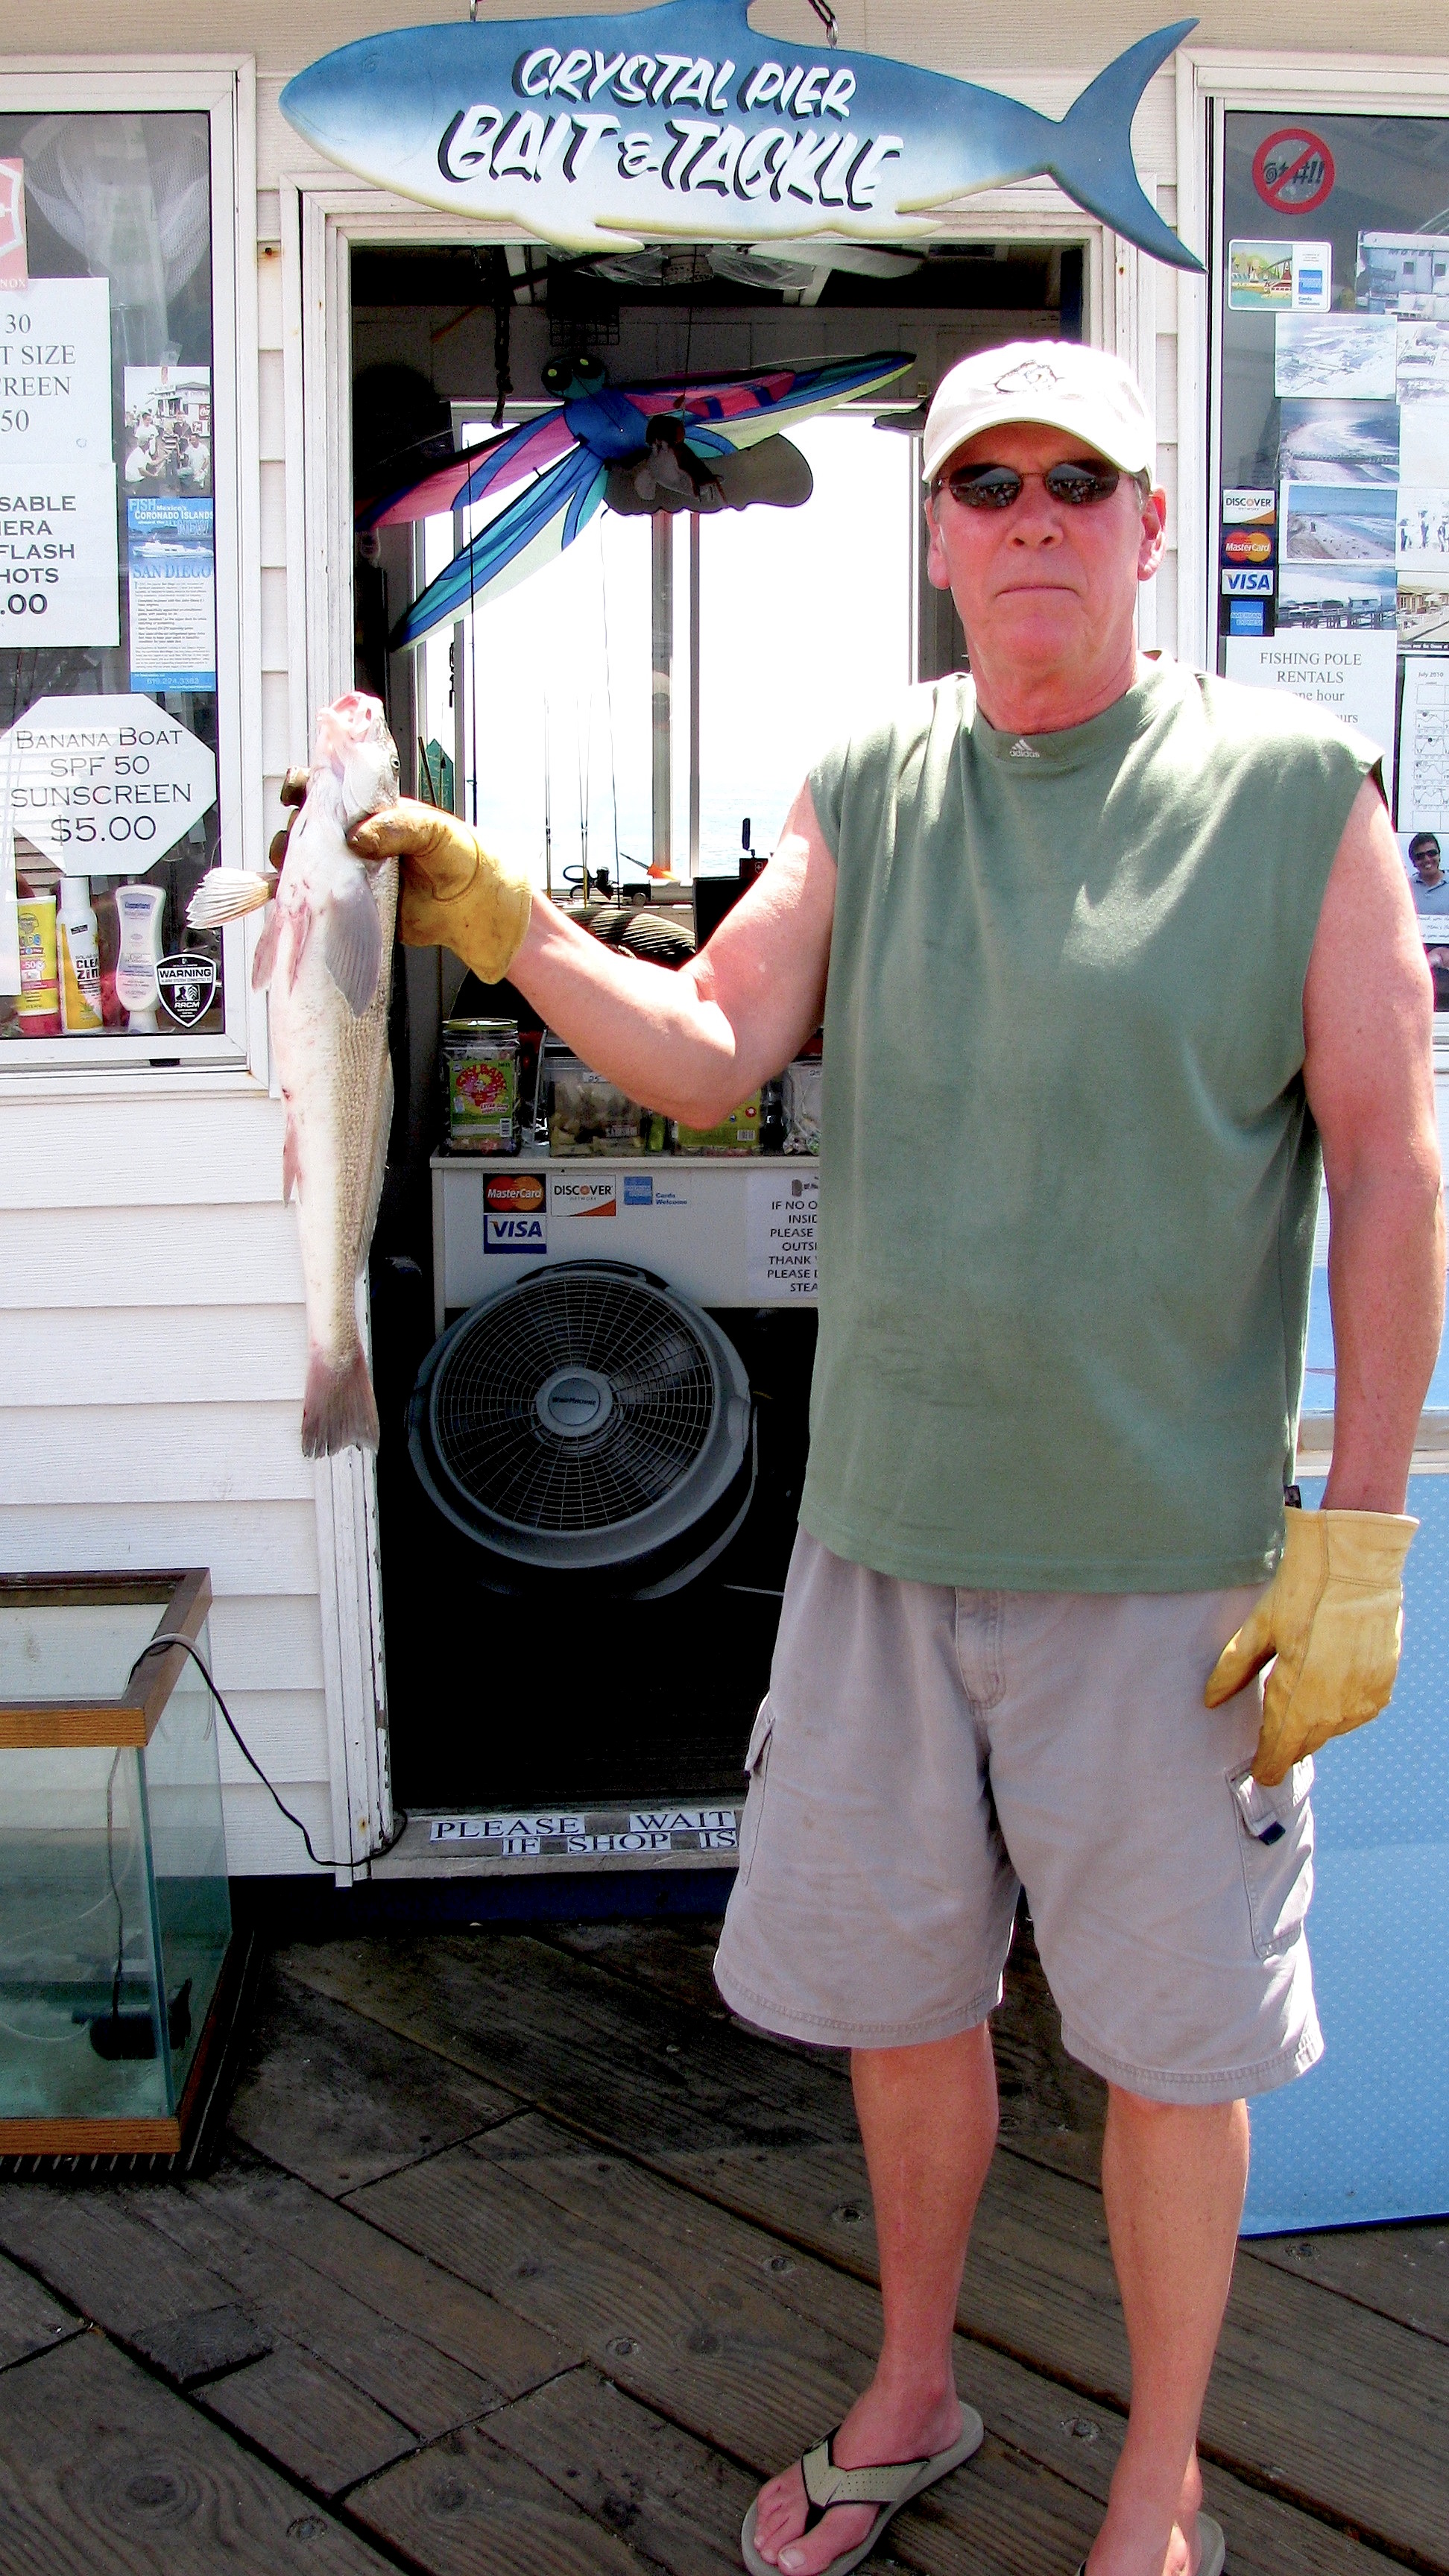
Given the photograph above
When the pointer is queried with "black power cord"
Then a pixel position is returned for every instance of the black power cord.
(380, 1850)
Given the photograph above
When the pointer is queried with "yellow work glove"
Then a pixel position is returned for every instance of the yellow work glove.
(454, 894)
(1334, 1617)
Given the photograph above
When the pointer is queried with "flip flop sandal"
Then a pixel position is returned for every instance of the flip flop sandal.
(890, 2485)
(1210, 2541)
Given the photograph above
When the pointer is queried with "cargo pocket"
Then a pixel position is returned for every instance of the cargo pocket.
(1275, 1834)
(757, 1764)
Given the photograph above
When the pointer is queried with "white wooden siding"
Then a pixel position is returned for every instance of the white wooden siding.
(152, 1357)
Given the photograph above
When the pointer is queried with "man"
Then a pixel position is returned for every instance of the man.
(1428, 883)
(1129, 942)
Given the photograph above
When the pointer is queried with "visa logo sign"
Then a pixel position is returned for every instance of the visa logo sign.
(1248, 585)
(514, 1234)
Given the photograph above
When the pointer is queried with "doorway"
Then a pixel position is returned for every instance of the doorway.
(761, 634)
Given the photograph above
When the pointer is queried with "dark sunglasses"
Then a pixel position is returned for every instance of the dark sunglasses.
(996, 487)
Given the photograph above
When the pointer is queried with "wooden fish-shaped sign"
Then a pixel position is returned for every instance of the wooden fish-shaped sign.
(677, 123)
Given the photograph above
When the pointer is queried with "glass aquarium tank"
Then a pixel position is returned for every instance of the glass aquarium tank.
(115, 1919)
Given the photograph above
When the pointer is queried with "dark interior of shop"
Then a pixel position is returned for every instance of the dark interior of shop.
(562, 1687)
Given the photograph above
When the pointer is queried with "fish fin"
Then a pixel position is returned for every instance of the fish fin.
(291, 1162)
(379, 1166)
(265, 961)
(1092, 149)
(339, 1409)
(352, 939)
(225, 893)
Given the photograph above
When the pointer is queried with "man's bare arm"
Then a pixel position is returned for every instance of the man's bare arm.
(697, 1042)
(1368, 1018)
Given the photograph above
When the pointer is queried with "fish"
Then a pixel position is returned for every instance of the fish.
(325, 959)
(678, 123)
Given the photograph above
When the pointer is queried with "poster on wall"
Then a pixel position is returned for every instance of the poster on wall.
(1423, 529)
(1424, 745)
(55, 362)
(14, 259)
(1338, 442)
(1404, 273)
(1350, 676)
(1340, 354)
(58, 575)
(168, 429)
(171, 562)
(1280, 276)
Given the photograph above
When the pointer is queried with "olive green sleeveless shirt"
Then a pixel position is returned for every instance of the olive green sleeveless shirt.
(1069, 1177)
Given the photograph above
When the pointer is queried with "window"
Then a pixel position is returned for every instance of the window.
(116, 440)
(1332, 431)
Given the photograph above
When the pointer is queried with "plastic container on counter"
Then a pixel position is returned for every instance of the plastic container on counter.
(480, 1074)
(588, 1114)
(801, 1100)
(737, 1134)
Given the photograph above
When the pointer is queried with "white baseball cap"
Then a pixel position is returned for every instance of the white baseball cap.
(1086, 392)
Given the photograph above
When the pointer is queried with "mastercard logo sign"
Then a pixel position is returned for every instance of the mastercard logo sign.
(513, 1193)
(1248, 545)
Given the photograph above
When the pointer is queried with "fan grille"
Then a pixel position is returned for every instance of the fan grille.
(494, 1445)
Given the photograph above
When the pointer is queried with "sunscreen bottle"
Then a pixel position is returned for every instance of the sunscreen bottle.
(80, 958)
(138, 910)
(38, 1008)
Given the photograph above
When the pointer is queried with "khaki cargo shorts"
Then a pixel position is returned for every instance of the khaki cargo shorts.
(925, 1752)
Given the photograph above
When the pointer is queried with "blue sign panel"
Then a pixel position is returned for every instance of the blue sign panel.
(679, 123)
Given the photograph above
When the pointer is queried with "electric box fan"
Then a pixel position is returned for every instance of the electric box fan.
(587, 1421)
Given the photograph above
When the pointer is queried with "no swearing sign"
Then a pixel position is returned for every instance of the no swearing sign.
(1293, 170)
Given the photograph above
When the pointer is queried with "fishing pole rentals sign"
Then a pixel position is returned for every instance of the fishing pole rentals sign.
(601, 133)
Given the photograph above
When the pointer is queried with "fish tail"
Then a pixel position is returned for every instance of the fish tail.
(1092, 148)
(339, 1409)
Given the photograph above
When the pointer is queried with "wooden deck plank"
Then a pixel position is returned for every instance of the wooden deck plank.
(426, 2390)
(92, 2249)
(683, 2506)
(631, 2066)
(455, 2319)
(1024, 2406)
(1324, 2399)
(1401, 2272)
(627, 2468)
(309, 2419)
(30, 2320)
(106, 2470)
(1349, 2396)
(340, 2100)
(741, 2371)
(467, 2507)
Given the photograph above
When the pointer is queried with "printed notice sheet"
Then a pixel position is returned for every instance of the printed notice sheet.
(1424, 745)
(1349, 675)
(780, 1234)
(172, 564)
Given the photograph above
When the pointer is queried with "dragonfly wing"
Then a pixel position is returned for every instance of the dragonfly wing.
(427, 498)
(735, 411)
(526, 533)
(465, 478)
(529, 449)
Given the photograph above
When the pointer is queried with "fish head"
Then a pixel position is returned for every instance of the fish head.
(354, 748)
